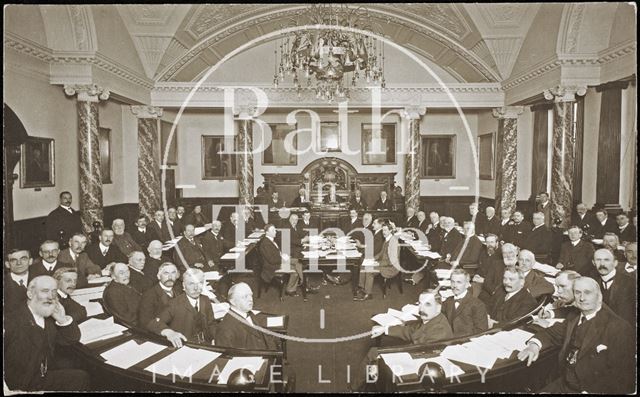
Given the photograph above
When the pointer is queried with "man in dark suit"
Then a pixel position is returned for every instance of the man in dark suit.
(105, 252)
(297, 237)
(231, 232)
(122, 239)
(67, 277)
(383, 203)
(539, 239)
(489, 257)
(595, 354)
(387, 258)
(119, 297)
(505, 225)
(189, 317)
(492, 276)
(189, 251)
(213, 244)
(533, 281)
(435, 231)
(251, 222)
(467, 252)
(275, 201)
(308, 223)
(236, 329)
(36, 328)
(630, 266)
(350, 223)
(155, 258)
(563, 299)
(451, 238)
(196, 217)
(491, 224)
(603, 224)
(142, 234)
(64, 221)
(422, 223)
(75, 257)
(357, 202)
(16, 279)
(512, 301)
(625, 231)
(272, 258)
(519, 230)
(176, 225)
(618, 289)
(158, 227)
(48, 263)
(466, 314)
(138, 279)
(475, 216)
(157, 298)
(584, 219)
(301, 200)
(576, 254)
(544, 206)
(612, 243)
(410, 220)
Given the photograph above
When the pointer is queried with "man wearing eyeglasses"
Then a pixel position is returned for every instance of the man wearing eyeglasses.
(47, 264)
(16, 279)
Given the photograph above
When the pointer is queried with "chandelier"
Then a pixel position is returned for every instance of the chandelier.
(330, 60)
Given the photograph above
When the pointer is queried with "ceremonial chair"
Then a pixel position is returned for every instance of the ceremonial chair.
(280, 279)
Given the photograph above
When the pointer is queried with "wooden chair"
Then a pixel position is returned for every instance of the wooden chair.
(387, 281)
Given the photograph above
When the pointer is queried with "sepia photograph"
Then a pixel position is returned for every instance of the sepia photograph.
(445, 201)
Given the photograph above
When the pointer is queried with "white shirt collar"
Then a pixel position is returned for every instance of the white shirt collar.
(38, 318)
(63, 294)
(103, 247)
(461, 296)
(629, 267)
(168, 289)
(142, 229)
(66, 208)
(17, 278)
(193, 301)
(575, 242)
(623, 227)
(588, 317)
(510, 294)
(49, 266)
(609, 276)
(243, 315)
(603, 222)
(535, 227)
(133, 269)
(73, 255)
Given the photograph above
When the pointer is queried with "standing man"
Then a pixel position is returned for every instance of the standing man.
(64, 221)
(544, 206)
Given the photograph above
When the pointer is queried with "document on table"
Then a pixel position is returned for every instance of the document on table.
(99, 280)
(88, 291)
(94, 329)
(401, 315)
(255, 235)
(432, 255)
(411, 309)
(212, 276)
(546, 269)
(231, 255)
(311, 254)
(93, 308)
(386, 319)
(352, 254)
(184, 361)
(487, 348)
(252, 364)
(443, 273)
(131, 353)
(275, 321)
(369, 263)
(238, 249)
(469, 356)
(401, 363)
(336, 256)
(450, 369)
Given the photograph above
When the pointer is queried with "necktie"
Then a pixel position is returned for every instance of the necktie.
(196, 306)
(457, 303)
(22, 283)
(607, 284)
(104, 252)
(582, 319)
(170, 294)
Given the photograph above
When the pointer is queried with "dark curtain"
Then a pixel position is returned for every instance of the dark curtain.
(540, 153)
(608, 182)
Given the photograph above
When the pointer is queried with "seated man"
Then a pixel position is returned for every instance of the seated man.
(388, 264)
(16, 279)
(123, 240)
(213, 244)
(66, 277)
(275, 201)
(539, 239)
(618, 289)
(155, 258)
(350, 223)
(611, 242)
(576, 254)
(48, 263)
(411, 220)
(432, 326)
(467, 253)
(596, 354)
(236, 329)
(142, 234)
(563, 298)
(196, 217)
(297, 237)
(157, 298)
(74, 256)
(175, 225)
(466, 314)
(533, 281)
(603, 224)
(626, 233)
(357, 202)
(273, 258)
(492, 223)
(37, 330)
(422, 223)
(490, 254)
(491, 279)
(189, 317)
(584, 220)
(104, 252)
(189, 252)
(301, 200)
(512, 301)
(138, 280)
(119, 297)
(630, 266)
(383, 203)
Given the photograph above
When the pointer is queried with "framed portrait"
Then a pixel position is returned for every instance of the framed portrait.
(37, 165)
(378, 143)
(215, 163)
(438, 157)
(104, 146)
(276, 153)
(165, 130)
(486, 156)
(329, 136)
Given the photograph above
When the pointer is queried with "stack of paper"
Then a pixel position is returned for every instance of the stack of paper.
(443, 273)
(238, 249)
(316, 239)
(252, 364)
(471, 356)
(93, 308)
(450, 369)
(369, 263)
(99, 280)
(546, 269)
(231, 255)
(94, 329)
(88, 291)
(184, 362)
(212, 276)
(336, 256)
(311, 254)
(431, 254)
(131, 353)
(220, 309)
(411, 309)
(401, 364)
(488, 348)
(275, 321)
(401, 315)
(352, 254)
(386, 319)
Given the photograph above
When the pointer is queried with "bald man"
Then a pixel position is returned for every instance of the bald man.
(122, 239)
(533, 281)
(618, 289)
(597, 346)
(119, 297)
(630, 267)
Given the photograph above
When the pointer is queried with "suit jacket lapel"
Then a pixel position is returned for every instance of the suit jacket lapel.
(595, 329)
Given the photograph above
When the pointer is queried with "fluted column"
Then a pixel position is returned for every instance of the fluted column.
(245, 148)
(88, 96)
(412, 158)
(149, 189)
(507, 175)
(563, 152)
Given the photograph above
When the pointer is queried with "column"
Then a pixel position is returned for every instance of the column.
(563, 152)
(149, 187)
(88, 96)
(245, 150)
(412, 157)
(507, 173)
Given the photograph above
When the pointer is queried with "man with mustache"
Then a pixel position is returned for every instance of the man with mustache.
(512, 301)
(64, 221)
(466, 313)
(563, 297)
(630, 266)
(119, 297)
(576, 254)
(47, 264)
(105, 252)
(31, 336)
(75, 257)
(533, 281)
(67, 277)
(618, 289)
(158, 297)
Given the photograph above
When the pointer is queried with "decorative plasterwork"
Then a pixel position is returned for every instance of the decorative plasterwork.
(505, 52)
(146, 112)
(508, 112)
(87, 92)
(83, 27)
(151, 14)
(209, 17)
(571, 21)
(564, 93)
(413, 112)
(151, 50)
(442, 16)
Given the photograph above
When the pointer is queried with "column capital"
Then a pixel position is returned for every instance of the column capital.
(413, 112)
(244, 111)
(87, 92)
(564, 93)
(508, 112)
(146, 112)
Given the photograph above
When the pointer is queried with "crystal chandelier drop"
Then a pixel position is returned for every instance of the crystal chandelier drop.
(330, 60)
